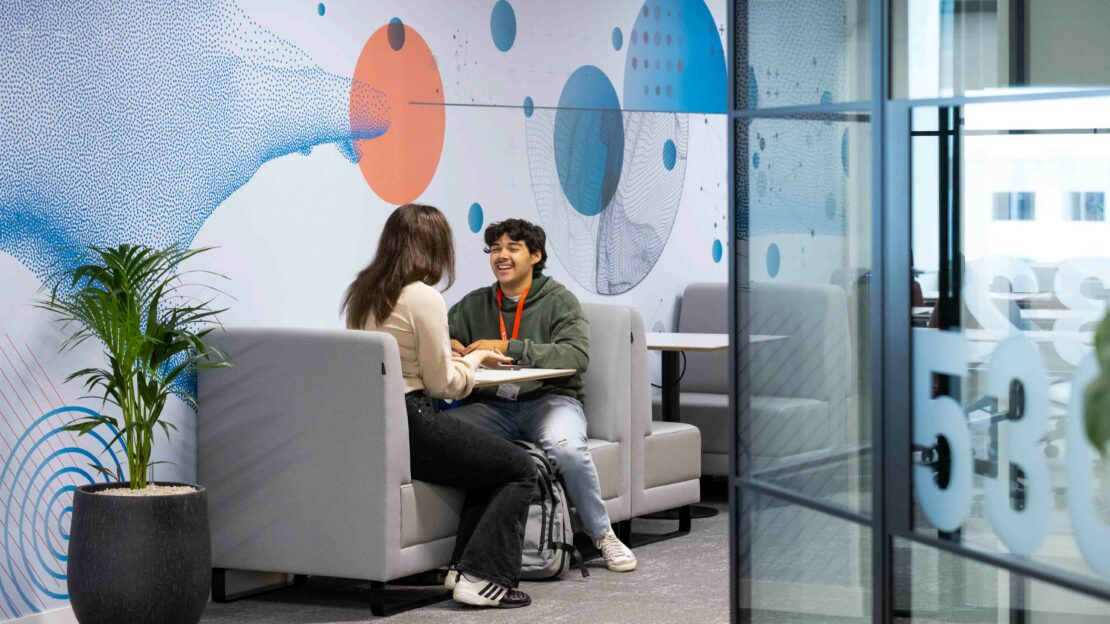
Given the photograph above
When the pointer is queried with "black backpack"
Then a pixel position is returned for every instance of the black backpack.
(548, 548)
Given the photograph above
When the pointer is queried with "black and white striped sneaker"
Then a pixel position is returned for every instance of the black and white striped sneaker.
(483, 593)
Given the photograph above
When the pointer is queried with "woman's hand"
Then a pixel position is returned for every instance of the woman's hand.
(487, 358)
(490, 359)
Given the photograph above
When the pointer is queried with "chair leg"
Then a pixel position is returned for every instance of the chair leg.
(219, 586)
(683, 529)
(624, 532)
(684, 519)
(380, 607)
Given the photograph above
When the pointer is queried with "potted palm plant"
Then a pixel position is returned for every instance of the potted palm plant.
(139, 551)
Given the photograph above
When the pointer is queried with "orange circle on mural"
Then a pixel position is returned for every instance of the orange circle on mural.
(399, 164)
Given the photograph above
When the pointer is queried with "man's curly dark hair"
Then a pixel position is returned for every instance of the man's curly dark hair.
(520, 231)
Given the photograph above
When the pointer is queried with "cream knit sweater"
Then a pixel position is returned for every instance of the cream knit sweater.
(419, 323)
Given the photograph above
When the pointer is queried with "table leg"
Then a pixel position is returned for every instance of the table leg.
(671, 376)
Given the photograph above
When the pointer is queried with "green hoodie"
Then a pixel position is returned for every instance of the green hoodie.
(554, 333)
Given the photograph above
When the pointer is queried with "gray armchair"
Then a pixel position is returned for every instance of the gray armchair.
(303, 447)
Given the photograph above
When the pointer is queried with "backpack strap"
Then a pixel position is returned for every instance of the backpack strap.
(574, 553)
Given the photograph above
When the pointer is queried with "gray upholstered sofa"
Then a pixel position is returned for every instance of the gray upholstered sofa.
(303, 447)
(801, 385)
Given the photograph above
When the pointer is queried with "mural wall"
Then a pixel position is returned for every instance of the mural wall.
(284, 132)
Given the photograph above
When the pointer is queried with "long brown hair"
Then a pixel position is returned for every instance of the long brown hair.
(415, 246)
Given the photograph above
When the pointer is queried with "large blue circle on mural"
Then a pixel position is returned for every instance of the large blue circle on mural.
(502, 25)
(589, 140)
(675, 59)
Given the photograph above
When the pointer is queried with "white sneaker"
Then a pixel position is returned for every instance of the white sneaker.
(451, 578)
(618, 558)
(483, 593)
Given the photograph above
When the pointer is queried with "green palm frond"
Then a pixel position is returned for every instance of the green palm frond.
(133, 300)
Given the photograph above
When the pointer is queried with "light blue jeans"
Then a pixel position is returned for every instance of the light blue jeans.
(558, 425)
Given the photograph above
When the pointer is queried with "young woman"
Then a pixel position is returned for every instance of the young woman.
(395, 294)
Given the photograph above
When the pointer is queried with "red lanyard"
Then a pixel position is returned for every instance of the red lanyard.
(519, 313)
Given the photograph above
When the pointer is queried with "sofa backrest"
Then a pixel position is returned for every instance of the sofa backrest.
(304, 438)
(704, 309)
(607, 379)
(815, 360)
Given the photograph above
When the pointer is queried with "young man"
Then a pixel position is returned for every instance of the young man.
(538, 322)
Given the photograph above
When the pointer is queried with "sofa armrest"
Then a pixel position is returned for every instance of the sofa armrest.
(303, 446)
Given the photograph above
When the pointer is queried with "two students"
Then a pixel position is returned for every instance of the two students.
(470, 447)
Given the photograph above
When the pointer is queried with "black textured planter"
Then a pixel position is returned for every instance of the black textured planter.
(139, 559)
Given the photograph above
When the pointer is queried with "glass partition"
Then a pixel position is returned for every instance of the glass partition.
(1011, 271)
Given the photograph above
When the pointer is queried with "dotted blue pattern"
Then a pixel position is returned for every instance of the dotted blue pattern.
(529, 107)
(800, 179)
(802, 52)
(718, 250)
(618, 39)
(39, 475)
(675, 59)
(321, 9)
(502, 25)
(475, 217)
(136, 129)
(589, 140)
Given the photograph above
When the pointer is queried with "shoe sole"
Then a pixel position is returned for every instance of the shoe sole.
(474, 600)
(622, 567)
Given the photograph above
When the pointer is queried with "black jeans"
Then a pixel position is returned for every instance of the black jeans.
(498, 477)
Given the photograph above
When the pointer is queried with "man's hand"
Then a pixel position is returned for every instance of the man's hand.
(500, 346)
(457, 347)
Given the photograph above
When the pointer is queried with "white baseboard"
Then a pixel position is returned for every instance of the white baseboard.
(53, 616)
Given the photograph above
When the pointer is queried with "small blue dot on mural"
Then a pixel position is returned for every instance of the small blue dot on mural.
(670, 154)
(475, 217)
(529, 106)
(773, 260)
(618, 39)
(589, 140)
(395, 33)
(718, 250)
(844, 151)
(826, 97)
(502, 25)
(320, 9)
(755, 160)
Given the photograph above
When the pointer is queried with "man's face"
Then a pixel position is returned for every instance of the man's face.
(511, 261)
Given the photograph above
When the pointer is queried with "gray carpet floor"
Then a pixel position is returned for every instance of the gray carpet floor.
(684, 579)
